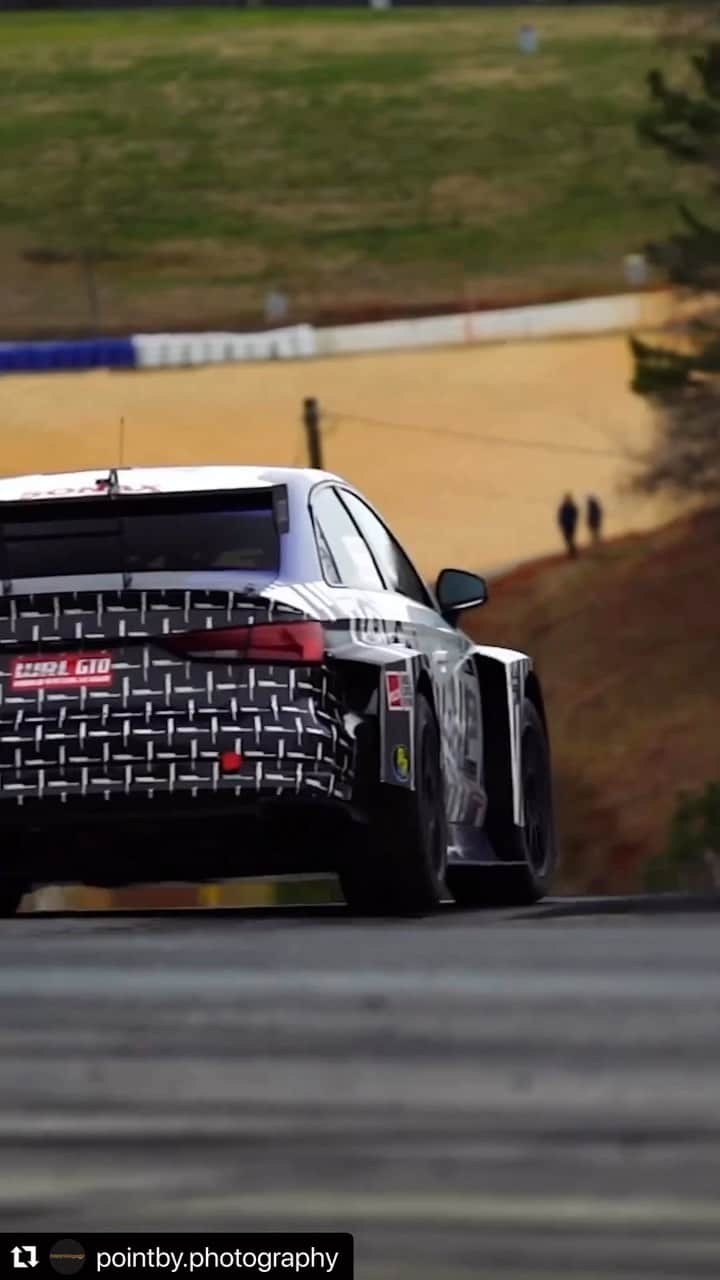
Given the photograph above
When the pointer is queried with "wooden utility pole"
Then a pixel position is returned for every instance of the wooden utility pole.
(311, 420)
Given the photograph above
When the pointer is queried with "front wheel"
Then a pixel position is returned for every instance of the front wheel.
(396, 864)
(532, 847)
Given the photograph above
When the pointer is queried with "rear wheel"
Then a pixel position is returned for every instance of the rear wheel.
(397, 863)
(533, 847)
(10, 897)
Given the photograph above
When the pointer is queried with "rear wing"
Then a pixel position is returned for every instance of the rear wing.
(109, 487)
(108, 530)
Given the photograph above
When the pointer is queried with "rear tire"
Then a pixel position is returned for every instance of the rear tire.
(397, 862)
(535, 844)
(11, 895)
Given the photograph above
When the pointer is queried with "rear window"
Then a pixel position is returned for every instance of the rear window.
(138, 535)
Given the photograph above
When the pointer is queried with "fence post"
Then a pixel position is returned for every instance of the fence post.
(311, 419)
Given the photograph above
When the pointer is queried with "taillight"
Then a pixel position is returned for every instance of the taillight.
(300, 642)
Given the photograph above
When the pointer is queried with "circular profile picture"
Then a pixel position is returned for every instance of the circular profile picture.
(67, 1257)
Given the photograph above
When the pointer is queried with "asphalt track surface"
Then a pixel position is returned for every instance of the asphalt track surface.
(477, 1094)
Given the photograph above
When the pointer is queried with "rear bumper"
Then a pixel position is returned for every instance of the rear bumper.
(251, 734)
(163, 723)
(177, 768)
(131, 839)
(300, 750)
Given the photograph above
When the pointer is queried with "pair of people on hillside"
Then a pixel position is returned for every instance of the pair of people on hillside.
(567, 518)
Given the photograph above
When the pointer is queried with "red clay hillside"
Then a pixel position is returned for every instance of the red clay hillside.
(627, 641)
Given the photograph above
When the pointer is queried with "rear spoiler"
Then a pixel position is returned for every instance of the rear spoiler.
(108, 488)
(80, 503)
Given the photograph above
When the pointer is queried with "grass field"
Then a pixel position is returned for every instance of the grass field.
(351, 157)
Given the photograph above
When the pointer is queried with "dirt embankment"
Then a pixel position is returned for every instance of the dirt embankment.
(627, 641)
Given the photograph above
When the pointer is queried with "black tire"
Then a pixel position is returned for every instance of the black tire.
(10, 897)
(535, 844)
(396, 864)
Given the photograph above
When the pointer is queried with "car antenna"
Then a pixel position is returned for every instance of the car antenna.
(121, 442)
(127, 577)
(111, 483)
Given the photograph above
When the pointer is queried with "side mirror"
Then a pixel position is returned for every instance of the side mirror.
(457, 590)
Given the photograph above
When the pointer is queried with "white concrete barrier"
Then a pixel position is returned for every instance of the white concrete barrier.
(623, 313)
(163, 350)
(560, 319)
(392, 335)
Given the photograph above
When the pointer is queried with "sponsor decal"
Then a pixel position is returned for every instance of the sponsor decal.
(401, 763)
(399, 690)
(371, 631)
(84, 490)
(62, 671)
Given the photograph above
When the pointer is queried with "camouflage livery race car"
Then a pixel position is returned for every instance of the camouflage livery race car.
(215, 672)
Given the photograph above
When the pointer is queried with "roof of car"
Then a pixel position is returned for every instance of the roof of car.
(69, 484)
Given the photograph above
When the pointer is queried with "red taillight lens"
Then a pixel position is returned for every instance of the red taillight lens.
(229, 643)
(287, 642)
(300, 642)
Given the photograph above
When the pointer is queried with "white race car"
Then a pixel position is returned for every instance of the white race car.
(222, 671)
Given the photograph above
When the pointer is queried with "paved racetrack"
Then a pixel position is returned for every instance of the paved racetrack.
(496, 1094)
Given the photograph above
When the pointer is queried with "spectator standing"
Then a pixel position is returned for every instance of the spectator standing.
(276, 306)
(567, 518)
(594, 517)
(528, 38)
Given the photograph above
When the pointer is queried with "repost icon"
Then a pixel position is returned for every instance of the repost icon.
(24, 1255)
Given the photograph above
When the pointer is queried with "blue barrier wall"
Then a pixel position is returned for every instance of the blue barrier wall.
(88, 353)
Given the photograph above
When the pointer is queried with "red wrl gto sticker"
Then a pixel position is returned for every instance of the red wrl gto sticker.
(62, 671)
(399, 690)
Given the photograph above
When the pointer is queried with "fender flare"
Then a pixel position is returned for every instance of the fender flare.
(506, 679)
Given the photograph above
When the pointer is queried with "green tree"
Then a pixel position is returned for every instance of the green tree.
(691, 859)
(682, 379)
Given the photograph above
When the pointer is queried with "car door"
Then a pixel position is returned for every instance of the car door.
(447, 655)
